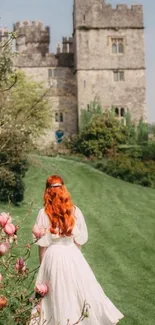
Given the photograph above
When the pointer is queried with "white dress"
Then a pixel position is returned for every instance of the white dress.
(71, 281)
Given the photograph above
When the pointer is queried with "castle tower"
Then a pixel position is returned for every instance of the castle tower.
(3, 35)
(110, 56)
(32, 37)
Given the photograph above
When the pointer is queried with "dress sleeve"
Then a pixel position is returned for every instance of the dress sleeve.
(43, 221)
(81, 232)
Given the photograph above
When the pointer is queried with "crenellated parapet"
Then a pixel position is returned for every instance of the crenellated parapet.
(32, 37)
(98, 14)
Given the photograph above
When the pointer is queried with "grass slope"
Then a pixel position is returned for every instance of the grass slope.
(121, 223)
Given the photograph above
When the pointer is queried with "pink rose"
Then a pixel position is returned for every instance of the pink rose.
(42, 289)
(4, 247)
(38, 231)
(10, 229)
(4, 217)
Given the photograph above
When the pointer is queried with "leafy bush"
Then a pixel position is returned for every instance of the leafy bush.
(130, 170)
(13, 166)
(102, 134)
(148, 152)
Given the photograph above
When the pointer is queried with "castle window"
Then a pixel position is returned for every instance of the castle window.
(122, 112)
(117, 45)
(84, 18)
(115, 75)
(59, 117)
(50, 73)
(116, 111)
(121, 48)
(118, 75)
(84, 84)
(121, 75)
(114, 48)
(56, 117)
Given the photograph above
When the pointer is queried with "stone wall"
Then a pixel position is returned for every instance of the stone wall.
(96, 25)
(61, 94)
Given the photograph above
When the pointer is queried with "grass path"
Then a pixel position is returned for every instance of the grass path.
(121, 223)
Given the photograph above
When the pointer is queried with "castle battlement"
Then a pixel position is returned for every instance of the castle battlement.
(32, 36)
(28, 23)
(98, 14)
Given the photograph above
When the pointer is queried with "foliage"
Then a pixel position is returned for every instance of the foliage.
(93, 109)
(142, 132)
(24, 115)
(130, 170)
(102, 134)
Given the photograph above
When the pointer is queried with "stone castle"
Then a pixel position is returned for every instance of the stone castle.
(103, 61)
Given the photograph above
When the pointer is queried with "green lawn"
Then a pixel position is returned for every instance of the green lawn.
(121, 224)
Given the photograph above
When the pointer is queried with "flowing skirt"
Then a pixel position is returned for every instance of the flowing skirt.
(72, 285)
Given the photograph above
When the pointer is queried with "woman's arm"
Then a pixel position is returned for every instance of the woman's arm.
(42, 251)
(78, 245)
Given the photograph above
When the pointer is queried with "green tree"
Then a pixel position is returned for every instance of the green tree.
(24, 115)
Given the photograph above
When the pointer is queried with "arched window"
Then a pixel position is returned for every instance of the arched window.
(120, 48)
(56, 117)
(122, 111)
(114, 48)
(61, 117)
(116, 111)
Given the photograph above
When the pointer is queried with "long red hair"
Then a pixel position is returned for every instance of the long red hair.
(59, 206)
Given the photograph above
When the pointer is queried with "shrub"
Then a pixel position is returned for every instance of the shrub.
(129, 169)
(103, 133)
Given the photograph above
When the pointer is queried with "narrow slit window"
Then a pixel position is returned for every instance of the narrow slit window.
(121, 75)
(56, 117)
(114, 48)
(122, 112)
(115, 75)
(116, 111)
(121, 48)
(84, 83)
(50, 73)
(61, 117)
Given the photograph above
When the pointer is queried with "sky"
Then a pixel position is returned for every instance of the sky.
(58, 15)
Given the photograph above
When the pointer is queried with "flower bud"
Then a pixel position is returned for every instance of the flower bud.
(3, 219)
(42, 289)
(20, 265)
(4, 247)
(9, 229)
(38, 231)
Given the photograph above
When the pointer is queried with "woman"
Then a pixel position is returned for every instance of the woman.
(71, 282)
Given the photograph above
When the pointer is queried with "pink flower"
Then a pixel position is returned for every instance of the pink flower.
(10, 229)
(4, 217)
(38, 231)
(1, 278)
(4, 247)
(42, 289)
(20, 265)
